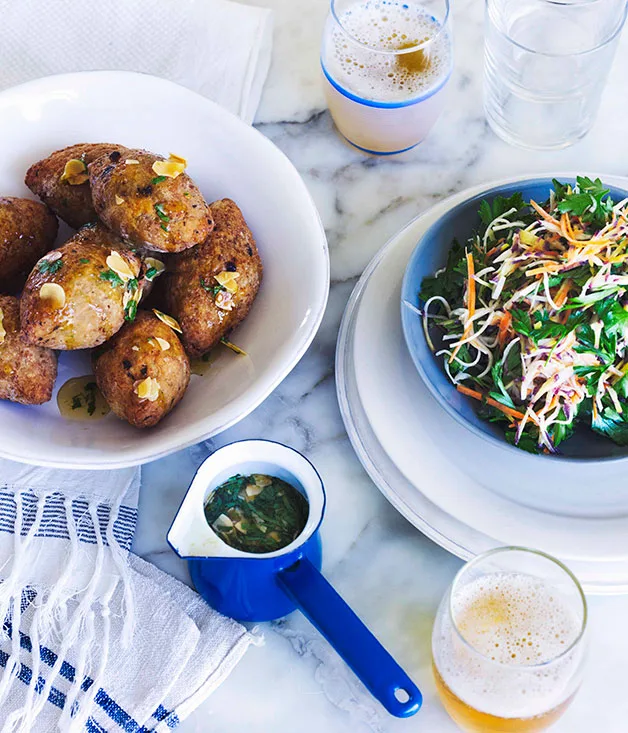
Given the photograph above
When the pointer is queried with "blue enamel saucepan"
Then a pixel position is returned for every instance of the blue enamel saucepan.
(261, 587)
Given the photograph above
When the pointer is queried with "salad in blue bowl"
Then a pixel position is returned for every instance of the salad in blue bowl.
(515, 312)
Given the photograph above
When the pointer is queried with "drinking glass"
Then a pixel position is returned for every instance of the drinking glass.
(508, 642)
(385, 68)
(545, 66)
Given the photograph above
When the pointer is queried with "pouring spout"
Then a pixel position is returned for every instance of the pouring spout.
(190, 535)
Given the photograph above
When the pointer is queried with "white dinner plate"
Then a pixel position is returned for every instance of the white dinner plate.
(226, 158)
(439, 475)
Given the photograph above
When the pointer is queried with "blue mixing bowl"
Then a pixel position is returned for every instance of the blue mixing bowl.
(430, 255)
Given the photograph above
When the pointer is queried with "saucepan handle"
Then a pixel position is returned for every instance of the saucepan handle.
(379, 672)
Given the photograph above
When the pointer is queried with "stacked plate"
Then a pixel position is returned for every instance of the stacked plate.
(460, 490)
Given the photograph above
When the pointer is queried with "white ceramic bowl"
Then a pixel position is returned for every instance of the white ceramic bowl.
(227, 159)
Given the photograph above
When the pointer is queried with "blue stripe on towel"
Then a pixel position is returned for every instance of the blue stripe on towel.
(54, 521)
(163, 715)
(67, 671)
(25, 675)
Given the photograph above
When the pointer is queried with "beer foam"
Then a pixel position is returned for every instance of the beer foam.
(514, 621)
(388, 25)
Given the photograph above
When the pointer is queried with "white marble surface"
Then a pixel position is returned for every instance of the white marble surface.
(391, 574)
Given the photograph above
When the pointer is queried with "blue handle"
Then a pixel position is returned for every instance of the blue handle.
(379, 672)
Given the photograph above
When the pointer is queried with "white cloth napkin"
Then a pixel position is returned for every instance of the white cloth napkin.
(218, 48)
(92, 637)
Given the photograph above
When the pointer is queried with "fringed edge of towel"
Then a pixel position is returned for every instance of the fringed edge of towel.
(36, 617)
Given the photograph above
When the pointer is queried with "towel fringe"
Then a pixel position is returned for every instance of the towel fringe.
(61, 613)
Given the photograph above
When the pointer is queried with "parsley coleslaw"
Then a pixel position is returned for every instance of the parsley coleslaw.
(530, 318)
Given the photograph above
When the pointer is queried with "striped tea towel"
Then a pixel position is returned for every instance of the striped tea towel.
(93, 638)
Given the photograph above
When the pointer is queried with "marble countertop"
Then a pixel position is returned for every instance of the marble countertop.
(392, 575)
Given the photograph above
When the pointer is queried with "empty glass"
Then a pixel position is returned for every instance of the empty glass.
(546, 63)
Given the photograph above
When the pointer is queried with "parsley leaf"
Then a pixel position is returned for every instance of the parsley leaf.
(610, 423)
(450, 282)
(130, 311)
(112, 277)
(499, 207)
(158, 179)
(161, 213)
(213, 289)
(521, 322)
(46, 266)
(589, 200)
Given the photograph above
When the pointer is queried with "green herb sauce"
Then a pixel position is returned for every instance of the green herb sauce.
(256, 513)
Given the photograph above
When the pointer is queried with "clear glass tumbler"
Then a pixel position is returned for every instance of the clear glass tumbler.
(386, 64)
(508, 642)
(546, 63)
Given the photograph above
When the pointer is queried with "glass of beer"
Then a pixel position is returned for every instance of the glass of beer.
(508, 642)
(385, 65)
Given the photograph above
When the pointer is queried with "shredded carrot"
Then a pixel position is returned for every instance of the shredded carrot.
(489, 400)
(471, 287)
(468, 329)
(504, 327)
(562, 293)
(542, 212)
(565, 225)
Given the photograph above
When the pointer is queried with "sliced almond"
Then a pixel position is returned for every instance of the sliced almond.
(119, 200)
(135, 348)
(132, 161)
(228, 280)
(223, 521)
(168, 320)
(119, 265)
(168, 168)
(252, 490)
(53, 256)
(224, 300)
(147, 389)
(3, 332)
(163, 344)
(53, 294)
(157, 264)
(75, 172)
(240, 527)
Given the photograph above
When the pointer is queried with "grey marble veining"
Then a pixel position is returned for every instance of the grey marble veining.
(391, 574)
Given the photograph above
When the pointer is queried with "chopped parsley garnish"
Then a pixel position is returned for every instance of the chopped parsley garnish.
(84, 260)
(112, 277)
(150, 273)
(90, 397)
(50, 267)
(161, 213)
(211, 288)
(158, 179)
(87, 397)
(130, 311)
